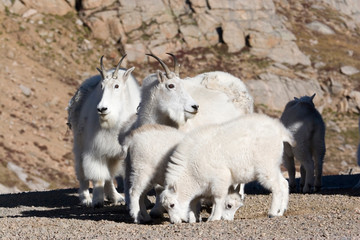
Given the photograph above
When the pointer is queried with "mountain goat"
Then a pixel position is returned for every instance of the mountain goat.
(96, 113)
(306, 124)
(220, 95)
(146, 165)
(209, 160)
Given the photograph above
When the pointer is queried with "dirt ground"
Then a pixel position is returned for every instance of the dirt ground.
(330, 214)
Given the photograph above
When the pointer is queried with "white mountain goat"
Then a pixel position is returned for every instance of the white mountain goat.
(224, 97)
(96, 113)
(209, 160)
(306, 124)
(146, 166)
(220, 95)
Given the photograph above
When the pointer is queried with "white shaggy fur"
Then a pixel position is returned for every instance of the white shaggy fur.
(209, 160)
(306, 124)
(146, 165)
(96, 113)
(219, 96)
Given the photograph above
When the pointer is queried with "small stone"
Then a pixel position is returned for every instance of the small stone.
(25, 90)
(320, 28)
(29, 13)
(349, 70)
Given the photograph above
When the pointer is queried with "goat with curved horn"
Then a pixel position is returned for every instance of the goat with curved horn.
(176, 64)
(167, 70)
(115, 73)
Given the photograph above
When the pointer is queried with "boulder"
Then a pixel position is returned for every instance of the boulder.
(349, 70)
(91, 4)
(275, 91)
(233, 36)
(55, 7)
(320, 28)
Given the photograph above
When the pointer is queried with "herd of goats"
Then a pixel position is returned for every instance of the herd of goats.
(194, 141)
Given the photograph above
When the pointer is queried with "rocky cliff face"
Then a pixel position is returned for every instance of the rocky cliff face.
(279, 48)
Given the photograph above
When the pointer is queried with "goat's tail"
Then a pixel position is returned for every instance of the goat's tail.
(288, 137)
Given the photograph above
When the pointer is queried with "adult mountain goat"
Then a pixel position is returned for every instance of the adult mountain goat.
(220, 95)
(305, 122)
(209, 160)
(96, 113)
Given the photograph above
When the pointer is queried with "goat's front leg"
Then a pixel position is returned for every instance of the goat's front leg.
(158, 210)
(84, 194)
(98, 193)
(217, 210)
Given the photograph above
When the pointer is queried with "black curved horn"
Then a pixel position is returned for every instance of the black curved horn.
(176, 64)
(118, 66)
(167, 70)
(101, 70)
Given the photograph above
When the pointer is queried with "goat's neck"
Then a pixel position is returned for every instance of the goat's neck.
(150, 114)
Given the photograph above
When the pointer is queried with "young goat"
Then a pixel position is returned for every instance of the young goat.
(209, 160)
(306, 124)
(146, 166)
(96, 113)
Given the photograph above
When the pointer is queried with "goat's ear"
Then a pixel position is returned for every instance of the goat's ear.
(161, 76)
(237, 188)
(172, 188)
(312, 97)
(128, 73)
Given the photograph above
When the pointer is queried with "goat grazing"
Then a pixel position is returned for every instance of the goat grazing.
(306, 124)
(146, 166)
(209, 160)
(96, 113)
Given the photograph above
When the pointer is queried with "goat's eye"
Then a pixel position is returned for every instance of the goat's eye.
(171, 86)
(172, 205)
(229, 206)
(116, 86)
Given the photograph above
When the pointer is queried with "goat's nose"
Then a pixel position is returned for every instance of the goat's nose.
(195, 107)
(102, 109)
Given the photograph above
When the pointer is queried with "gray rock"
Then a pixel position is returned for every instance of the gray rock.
(233, 36)
(25, 90)
(354, 101)
(55, 7)
(320, 28)
(288, 52)
(349, 70)
(275, 91)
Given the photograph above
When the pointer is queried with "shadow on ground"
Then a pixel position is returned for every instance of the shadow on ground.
(64, 203)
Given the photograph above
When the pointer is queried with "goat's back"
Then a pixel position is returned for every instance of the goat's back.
(243, 145)
(303, 120)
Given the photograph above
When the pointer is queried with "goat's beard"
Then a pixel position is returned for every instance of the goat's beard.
(178, 117)
(106, 122)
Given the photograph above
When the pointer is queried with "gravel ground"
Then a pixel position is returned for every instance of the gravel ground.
(331, 214)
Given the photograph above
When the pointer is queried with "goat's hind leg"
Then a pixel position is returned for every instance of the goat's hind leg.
(84, 194)
(111, 193)
(318, 154)
(274, 181)
(290, 166)
(137, 195)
